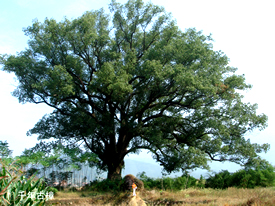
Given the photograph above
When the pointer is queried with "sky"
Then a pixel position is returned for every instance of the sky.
(243, 30)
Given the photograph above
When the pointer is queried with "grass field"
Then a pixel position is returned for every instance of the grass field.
(190, 197)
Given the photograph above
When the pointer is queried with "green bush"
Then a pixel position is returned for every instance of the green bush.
(106, 185)
(19, 191)
(168, 183)
(220, 180)
(245, 178)
(53, 190)
(254, 178)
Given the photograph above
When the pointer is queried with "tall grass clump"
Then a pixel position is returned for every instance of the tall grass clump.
(17, 190)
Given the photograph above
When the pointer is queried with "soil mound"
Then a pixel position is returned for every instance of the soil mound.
(136, 201)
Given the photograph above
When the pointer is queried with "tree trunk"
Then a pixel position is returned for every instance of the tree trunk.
(114, 170)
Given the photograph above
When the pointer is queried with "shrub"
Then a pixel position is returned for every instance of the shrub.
(220, 180)
(53, 190)
(168, 183)
(106, 185)
(248, 178)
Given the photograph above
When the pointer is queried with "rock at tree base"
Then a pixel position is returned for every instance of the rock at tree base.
(129, 180)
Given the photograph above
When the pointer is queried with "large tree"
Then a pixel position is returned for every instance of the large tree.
(132, 80)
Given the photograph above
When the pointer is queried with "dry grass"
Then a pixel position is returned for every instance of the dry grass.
(189, 197)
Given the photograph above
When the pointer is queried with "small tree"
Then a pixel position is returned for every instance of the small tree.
(4, 150)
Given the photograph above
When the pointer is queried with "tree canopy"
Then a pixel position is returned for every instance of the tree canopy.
(132, 80)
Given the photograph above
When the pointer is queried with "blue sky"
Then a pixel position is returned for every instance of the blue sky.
(243, 30)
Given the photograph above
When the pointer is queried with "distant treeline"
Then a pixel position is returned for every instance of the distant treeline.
(250, 178)
(245, 178)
